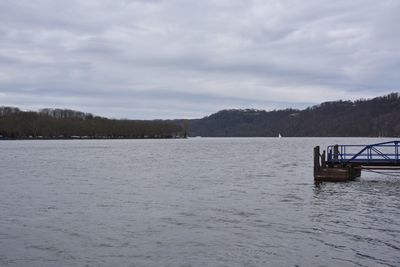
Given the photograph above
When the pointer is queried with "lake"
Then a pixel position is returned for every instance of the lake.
(194, 202)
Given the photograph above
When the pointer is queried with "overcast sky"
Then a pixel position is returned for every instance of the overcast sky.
(145, 59)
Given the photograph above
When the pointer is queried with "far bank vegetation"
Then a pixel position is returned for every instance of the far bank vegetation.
(70, 124)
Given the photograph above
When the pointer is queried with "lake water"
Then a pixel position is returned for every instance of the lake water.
(194, 202)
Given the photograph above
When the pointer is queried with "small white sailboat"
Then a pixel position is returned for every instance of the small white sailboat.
(279, 136)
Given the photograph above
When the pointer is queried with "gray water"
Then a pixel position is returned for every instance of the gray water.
(195, 202)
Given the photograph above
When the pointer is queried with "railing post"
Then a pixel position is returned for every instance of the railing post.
(329, 153)
(336, 152)
(369, 154)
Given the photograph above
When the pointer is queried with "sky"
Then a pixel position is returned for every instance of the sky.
(149, 59)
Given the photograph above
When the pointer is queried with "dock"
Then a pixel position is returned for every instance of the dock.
(340, 163)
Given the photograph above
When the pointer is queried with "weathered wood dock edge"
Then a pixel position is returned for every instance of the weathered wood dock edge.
(333, 173)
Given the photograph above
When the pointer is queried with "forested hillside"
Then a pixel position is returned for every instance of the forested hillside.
(375, 117)
(63, 123)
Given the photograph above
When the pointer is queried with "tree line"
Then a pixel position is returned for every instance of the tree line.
(375, 117)
(67, 124)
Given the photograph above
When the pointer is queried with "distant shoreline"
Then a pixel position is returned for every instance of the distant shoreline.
(192, 137)
(89, 138)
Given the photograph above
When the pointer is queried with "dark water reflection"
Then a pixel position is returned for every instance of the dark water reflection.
(196, 202)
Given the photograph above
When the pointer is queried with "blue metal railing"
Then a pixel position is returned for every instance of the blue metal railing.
(386, 153)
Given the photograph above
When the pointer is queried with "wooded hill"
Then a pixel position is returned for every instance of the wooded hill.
(67, 124)
(370, 118)
(375, 117)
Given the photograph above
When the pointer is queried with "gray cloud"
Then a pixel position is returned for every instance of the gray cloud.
(176, 58)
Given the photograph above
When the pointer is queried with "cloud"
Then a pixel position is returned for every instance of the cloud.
(161, 59)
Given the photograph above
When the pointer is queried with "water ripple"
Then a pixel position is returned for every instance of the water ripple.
(208, 202)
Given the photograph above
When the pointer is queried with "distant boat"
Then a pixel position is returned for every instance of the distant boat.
(279, 136)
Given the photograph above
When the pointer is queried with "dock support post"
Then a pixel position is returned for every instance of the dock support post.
(317, 165)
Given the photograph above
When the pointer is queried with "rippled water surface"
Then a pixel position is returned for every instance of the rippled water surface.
(195, 202)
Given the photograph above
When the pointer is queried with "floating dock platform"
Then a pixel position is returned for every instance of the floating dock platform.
(343, 163)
